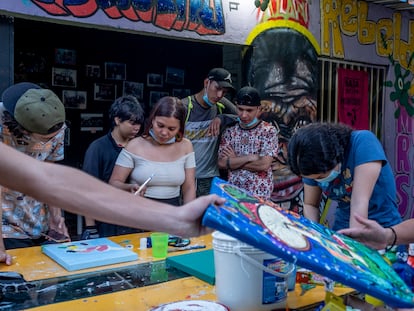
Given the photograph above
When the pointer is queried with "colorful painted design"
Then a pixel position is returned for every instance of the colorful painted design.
(191, 305)
(202, 17)
(296, 239)
(78, 255)
(403, 90)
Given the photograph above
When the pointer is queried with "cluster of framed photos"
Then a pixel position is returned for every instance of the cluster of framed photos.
(63, 75)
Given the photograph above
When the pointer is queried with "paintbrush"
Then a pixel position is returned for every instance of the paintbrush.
(185, 248)
(144, 184)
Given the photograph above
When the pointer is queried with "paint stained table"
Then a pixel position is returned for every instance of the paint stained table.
(135, 285)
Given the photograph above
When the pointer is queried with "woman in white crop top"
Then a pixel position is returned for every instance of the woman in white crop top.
(163, 151)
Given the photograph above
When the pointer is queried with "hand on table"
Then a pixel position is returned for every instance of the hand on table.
(6, 258)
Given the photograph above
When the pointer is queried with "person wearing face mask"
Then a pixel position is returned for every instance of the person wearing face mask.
(247, 149)
(161, 153)
(209, 113)
(348, 166)
(33, 122)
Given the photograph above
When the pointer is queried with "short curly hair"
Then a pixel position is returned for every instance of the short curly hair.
(318, 147)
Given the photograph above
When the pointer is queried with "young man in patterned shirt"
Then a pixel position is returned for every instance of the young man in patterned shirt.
(247, 149)
(32, 122)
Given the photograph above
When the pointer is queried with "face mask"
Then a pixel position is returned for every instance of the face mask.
(324, 182)
(205, 97)
(171, 141)
(255, 120)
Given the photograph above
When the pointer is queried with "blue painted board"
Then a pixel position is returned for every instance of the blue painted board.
(310, 245)
(85, 254)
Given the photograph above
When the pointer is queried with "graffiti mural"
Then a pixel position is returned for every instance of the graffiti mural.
(198, 16)
(402, 97)
(281, 62)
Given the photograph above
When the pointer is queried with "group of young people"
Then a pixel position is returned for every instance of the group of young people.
(178, 147)
(182, 145)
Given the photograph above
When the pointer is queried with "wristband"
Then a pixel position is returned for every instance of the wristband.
(228, 163)
(388, 248)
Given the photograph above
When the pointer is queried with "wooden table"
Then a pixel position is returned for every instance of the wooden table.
(34, 266)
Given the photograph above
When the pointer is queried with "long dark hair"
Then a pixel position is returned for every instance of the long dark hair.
(168, 106)
(318, 147)
(13, 126)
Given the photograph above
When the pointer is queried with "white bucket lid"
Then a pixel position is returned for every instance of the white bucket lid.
(225, 243)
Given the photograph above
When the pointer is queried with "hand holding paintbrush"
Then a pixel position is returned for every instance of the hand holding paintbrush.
(144, 184)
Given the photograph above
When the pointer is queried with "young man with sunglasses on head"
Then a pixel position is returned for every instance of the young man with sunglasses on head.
(247, 149)
(32, 122)
(208, 114)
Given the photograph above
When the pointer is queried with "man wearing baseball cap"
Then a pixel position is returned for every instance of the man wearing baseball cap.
(208, 113)
(247, 149)
(33, 122)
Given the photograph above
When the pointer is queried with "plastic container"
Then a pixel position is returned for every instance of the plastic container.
(247, 278)
(159, 242)
(199, 305)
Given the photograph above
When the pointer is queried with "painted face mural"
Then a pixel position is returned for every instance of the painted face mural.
(281, 63)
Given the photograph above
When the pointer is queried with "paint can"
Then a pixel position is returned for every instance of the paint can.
(248, 278)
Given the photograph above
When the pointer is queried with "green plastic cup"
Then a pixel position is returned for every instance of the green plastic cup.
(159, 242)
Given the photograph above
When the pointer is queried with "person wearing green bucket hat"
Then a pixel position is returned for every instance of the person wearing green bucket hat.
(32, 122)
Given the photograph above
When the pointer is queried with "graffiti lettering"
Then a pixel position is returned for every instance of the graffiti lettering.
(202, 17)
(403, 163)
(350, 17)
(297, 10)
(403, 186)
(234, 5)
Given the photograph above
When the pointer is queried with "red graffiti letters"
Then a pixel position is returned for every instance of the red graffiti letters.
(195, 15)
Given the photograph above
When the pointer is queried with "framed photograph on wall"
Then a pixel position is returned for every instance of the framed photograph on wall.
(104, 91)
(181, 93)
(115, 71)
(65, 57)
(155, 96)
(93, 71)
(155, 80)
(174, 76)
(133, 88)
(64, 77)
(73, 99)
(91, 122)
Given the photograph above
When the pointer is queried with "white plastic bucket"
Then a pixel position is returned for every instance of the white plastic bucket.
(247, 278)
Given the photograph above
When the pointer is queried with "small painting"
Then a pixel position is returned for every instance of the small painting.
(104, 91)
(93, 71)
(174, 76)
(134, 88)
(91, 122)
(65, 57)
(73, 99)
(63, 77)
(154, 79)
(115, 71)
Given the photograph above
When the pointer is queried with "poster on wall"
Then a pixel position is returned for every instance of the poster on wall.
(353, 105)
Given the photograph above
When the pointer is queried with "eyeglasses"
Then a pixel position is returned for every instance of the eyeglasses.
(176, 241)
